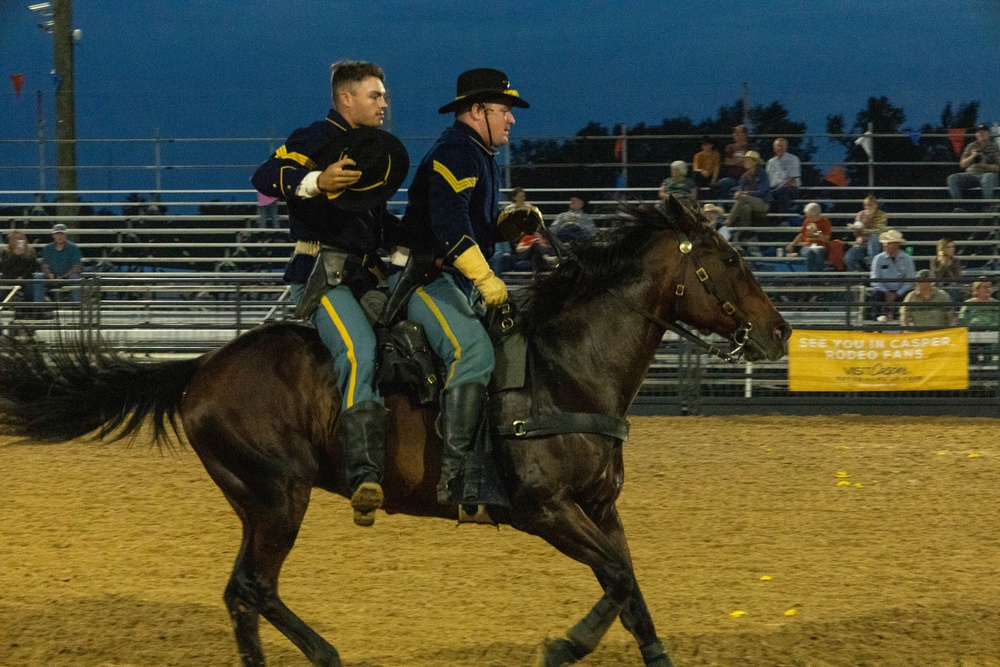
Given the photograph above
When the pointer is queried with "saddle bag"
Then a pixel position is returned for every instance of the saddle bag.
(406, 363)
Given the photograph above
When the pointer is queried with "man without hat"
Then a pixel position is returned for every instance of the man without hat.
(61, 260)
(338, 229)
(981, 163)
(452, 215)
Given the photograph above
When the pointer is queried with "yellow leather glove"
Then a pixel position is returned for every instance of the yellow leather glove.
(473, 266)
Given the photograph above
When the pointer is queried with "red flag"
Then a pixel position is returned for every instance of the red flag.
(957, 136)
(18, 82)
(836, 176)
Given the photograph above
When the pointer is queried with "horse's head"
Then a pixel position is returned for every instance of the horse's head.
(714, 291)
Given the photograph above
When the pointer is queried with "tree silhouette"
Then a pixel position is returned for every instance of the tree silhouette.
(588, 159)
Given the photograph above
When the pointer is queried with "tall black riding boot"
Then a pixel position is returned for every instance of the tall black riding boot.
(462, 409)
(362, 431)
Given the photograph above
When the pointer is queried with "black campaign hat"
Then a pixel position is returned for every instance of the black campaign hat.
(483, 85)
(381, 158)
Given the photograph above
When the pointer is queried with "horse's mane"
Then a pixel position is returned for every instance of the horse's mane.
(616, 259)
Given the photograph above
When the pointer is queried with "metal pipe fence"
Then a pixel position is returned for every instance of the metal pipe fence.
(189, 314)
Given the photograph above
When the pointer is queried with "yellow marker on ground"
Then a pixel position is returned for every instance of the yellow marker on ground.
(841, 473)
(973, 455)
(791, 612)
(737, 614)
(765, 578)
(843, 482)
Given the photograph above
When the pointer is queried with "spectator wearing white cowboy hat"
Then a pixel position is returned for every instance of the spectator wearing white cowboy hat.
(753, 195)
(715, 219)
(892, 274)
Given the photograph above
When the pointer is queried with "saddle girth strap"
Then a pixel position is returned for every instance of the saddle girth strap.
(559, 423)
(562, 423)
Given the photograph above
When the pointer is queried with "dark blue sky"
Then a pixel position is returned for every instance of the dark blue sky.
(240, 68)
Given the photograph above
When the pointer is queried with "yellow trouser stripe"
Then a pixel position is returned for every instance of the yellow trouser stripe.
(283, 154)
(456, 185)
(351, 357)
(445, 327)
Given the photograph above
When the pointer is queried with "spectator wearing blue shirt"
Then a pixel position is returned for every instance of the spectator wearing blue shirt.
(61, 260)
(785, 173)
(892, 274)
(753, 195)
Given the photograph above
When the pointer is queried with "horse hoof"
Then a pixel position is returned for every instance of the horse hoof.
(555, 652)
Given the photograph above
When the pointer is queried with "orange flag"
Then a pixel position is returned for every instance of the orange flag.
(957, 136)
(17, 80)
(836, 176)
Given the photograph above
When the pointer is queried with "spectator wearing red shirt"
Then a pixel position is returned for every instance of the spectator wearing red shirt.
(812, 238)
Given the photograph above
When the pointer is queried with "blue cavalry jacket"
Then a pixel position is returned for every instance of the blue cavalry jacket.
(454, 196)
(317, 218)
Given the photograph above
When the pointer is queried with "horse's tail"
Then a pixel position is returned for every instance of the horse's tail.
(61, 392)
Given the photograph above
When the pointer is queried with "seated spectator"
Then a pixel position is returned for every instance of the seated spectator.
(753, 195)
(813, 237)
(927, 316)
(981, 163)
(533, 253)
(946, 268)
(706, 164)
(678, 185)
(733, 165)
(714, 219)
(61, 260)
(982, 311)
(18, 263)
(891, 273)
(785, 173)
(868, 224)
(574, 225)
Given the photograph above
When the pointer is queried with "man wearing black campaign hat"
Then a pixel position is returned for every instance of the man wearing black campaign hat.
(336, 176)
(453, 214)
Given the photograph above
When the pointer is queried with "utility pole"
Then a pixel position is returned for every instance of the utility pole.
(62, 37)
(57, 20)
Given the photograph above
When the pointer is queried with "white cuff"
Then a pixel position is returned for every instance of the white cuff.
(399, 256)
(308, 186)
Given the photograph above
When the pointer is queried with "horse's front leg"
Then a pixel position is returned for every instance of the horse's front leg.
(634, 614)
(564, 525)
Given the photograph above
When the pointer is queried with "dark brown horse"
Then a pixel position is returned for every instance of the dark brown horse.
(261, 413)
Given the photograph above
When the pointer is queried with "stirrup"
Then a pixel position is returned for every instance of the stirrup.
(367, 498)
(481, 515)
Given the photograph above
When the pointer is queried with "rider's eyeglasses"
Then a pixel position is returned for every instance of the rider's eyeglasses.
(502, 110)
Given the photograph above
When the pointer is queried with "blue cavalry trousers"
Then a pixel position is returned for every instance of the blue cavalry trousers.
(454, 331)
(345, 330)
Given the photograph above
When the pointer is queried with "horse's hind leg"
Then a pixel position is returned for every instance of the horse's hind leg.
(268, 535)
(564, 525)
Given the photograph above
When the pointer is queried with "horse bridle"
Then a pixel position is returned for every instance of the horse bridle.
(743, 326)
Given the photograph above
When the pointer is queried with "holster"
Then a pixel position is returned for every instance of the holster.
(421, 269)
(328, 271)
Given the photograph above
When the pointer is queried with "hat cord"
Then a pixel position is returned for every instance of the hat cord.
(489, 132)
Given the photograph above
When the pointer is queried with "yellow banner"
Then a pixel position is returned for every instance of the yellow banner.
(862, 361)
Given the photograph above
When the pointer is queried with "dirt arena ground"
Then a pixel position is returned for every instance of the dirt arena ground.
(843, 541)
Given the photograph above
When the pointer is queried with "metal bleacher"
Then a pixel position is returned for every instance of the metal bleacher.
(184, 273)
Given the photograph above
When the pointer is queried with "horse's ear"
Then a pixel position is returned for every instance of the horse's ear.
(681, 215)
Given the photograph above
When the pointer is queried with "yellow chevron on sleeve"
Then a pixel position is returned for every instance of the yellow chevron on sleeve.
(456, 185)
(283, 154)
